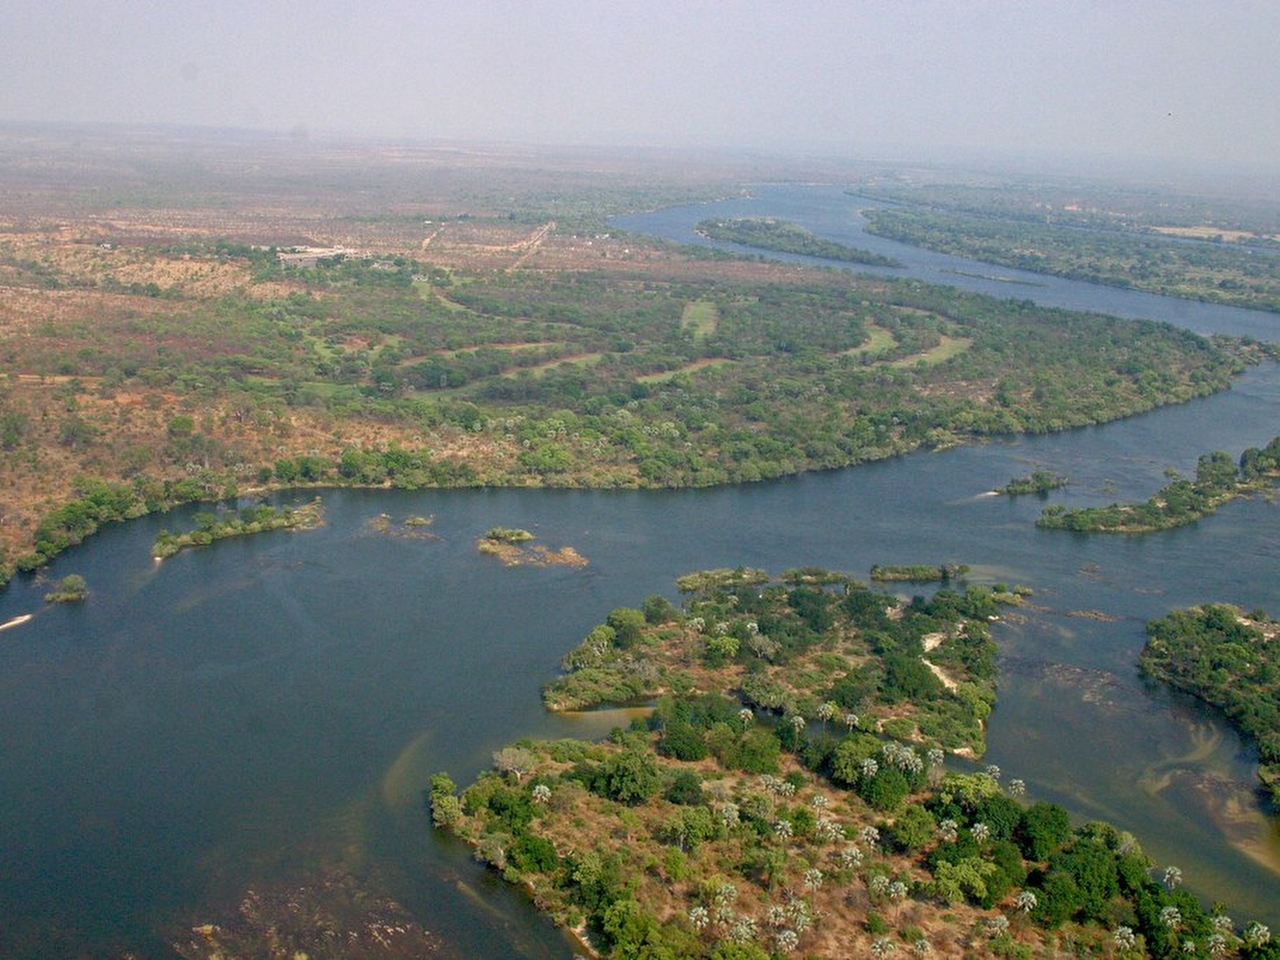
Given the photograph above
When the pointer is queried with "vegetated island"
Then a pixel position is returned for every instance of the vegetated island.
(70, 589)
(1219, 479)
(1038, 481)
(917, 572)
(822, 820)
(781, 236)
(921, 670)
(1231, 660)
(514, 548)
(413, 528)
(248, 521)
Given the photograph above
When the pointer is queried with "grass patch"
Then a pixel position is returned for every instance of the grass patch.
(947, 348)
(700, 317)
(696, 365)
(879, 340)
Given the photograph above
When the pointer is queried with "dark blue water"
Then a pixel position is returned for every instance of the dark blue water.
(245, 713)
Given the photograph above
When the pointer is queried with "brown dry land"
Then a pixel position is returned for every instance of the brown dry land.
(95, 256)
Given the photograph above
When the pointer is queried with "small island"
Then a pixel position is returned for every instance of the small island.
(787, 794)
(922, 670)
(508, 544)
(1231, 660)
(413, 528)
(1038, 481)
(250, 520)
(766, 233)
(70, 589)
(1219, 479)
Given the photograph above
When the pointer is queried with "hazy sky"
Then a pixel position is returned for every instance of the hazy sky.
(1181, 79)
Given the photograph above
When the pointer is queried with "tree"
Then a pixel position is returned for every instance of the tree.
(513, 760)
(446, 810)
(631, 776)
(628, 625)
(1044, 827)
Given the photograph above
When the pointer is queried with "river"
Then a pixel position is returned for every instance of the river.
(245, 713)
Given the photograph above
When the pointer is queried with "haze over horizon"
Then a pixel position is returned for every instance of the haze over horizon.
(1178, 81)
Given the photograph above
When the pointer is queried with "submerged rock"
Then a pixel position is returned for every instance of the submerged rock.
(329, 917)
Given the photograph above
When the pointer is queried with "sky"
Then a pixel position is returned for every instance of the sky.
(1183, 80)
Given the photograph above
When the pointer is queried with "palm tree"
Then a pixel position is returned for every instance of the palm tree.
(883, 946)
(826, 711)
(921, 947)
(1172, 877)
(981, 832)
(1025, 901)
(1257, 934)
(878, 886)
(786, 940)
(850, 858)
(897, 893)
(1124, 938)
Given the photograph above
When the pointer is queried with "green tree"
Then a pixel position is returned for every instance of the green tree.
(631, 776)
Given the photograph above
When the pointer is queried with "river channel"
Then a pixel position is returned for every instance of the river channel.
(245, 714)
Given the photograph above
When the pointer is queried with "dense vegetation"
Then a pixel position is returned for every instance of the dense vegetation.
(1218, 479)
(715, 828)
(766, 233)
(1229, 660)
(1217, 273)
(799, 649)
(249, 520)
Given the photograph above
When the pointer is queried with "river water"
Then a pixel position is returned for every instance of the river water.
(248, 712)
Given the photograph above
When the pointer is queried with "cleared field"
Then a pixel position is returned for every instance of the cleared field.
(703, 364)
(700, 317)
(947, 348)
(878, 340)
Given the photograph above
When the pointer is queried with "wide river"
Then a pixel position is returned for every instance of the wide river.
(247, 714)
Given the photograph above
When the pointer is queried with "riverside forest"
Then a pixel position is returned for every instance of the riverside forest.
(370, 382)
